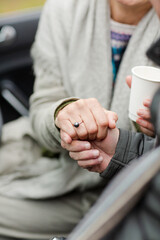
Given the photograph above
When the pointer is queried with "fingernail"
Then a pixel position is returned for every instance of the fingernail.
(140, 112)
(139, 121)
(95, 153)
(87, 146)
(100, 159)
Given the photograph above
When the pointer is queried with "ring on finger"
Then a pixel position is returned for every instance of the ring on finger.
(77, 124)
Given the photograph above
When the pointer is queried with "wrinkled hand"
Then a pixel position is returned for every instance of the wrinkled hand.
(144, 120)
(93, 118)
(95, 155)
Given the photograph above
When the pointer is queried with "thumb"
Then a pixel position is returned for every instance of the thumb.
(112, 118)
(129, 81)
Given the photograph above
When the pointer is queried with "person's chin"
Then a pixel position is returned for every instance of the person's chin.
(132, 2)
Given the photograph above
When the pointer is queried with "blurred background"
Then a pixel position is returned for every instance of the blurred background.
(18, 25)
(8, 6)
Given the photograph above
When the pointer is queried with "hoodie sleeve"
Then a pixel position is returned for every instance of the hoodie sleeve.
(130, 146)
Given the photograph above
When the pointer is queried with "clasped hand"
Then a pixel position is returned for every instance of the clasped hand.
(96, 125)
(144, 117)
(93, 143)
(93, 118)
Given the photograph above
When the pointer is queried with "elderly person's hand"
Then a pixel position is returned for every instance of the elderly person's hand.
(95, 155)
(144, 120)
(92, 118)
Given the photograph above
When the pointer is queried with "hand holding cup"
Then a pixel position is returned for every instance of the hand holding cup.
(145, 82)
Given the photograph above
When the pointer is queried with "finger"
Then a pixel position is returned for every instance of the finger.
(81, 113)
(102, 124)
(145, 124)
(90, 163)
(147, 102)
(76, 146)
(65, 137)
(83, 155)
(66, 118)
(112, 118)
(146, 127)
(101, 119)
(147, 132)
(144, 114)
(65, 125)
(81, 131)
(129, 81)
(84, 132)
(89, 123)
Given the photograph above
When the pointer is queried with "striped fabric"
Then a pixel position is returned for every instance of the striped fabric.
(120, 36)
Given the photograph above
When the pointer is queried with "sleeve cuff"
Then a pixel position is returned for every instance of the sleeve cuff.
(62, 105)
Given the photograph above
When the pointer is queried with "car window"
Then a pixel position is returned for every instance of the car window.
(8, 6)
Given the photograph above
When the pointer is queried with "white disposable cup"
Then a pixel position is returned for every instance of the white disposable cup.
(145, 82)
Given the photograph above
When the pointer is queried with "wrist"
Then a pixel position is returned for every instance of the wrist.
(60, 107)
(113, 136)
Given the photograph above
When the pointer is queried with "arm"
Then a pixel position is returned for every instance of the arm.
(130, 146)
(49, 53)
(49, 91)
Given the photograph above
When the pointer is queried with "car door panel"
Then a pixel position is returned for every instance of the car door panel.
(16, 74)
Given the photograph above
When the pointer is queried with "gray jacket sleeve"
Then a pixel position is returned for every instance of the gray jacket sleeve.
(130, 146)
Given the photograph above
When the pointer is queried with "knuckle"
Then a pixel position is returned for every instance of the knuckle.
(73, 134)
(80, 103)
(103, 122)
(92, 129)
(60, 115)
(93, 101)
(114, 115)
(83, 134)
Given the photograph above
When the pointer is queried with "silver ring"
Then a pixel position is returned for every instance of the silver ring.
(76, 124)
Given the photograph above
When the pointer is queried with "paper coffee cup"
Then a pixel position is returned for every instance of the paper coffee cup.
(145, 82)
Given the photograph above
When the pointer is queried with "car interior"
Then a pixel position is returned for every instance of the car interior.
(17, 32)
